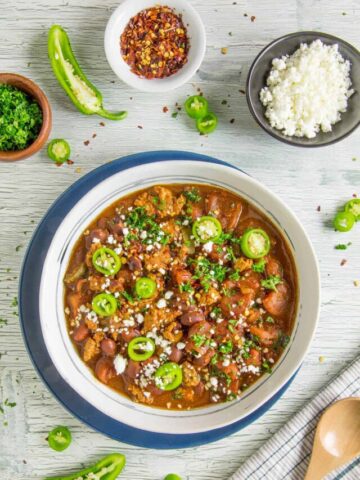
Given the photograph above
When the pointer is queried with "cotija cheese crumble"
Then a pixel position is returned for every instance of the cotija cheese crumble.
(306, 92)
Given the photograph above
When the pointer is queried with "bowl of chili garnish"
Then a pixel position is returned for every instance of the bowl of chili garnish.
(25, 117)
(155, 47)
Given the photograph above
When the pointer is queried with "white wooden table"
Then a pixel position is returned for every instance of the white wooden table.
(305, 179)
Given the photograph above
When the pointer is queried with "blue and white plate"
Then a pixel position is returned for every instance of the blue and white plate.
(44, 327)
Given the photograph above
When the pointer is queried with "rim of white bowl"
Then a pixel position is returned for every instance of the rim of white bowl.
(134, 410)
(120, 18)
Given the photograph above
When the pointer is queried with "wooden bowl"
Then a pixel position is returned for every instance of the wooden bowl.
(29, 87)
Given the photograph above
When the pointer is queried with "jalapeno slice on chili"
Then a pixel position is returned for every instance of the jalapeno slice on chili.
(168, 376)
(207, 229)
(106, 261)
(104, 304)
(255, 243)
(145, 287)
(353, 206)
(196, 106)
(141, 348)
(344, 221)
(59, 438)
(207, 124)
(59, 150)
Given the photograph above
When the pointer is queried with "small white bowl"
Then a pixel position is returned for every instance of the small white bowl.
(116, 25)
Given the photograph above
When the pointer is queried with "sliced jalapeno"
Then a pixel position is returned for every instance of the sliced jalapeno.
(106, 261)
(196, 106)
(207, 124)
(104, 304)
(344, 221)
(141, 348)
(59, 438)
(207, 229)
(353, 206)
(145, 287)
(255, 243)
(172, 476)
(59, 150)
(168, 376)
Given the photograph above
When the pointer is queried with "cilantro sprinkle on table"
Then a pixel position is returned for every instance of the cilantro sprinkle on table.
(20, 119)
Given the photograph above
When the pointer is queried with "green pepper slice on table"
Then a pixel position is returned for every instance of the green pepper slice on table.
(255, 243)
(59, 438)
(207, 124)
(344, 221)
(141, 348)
(84, 95)
(353, 206)
(207, 229)
(196, 106)
(59, 150)
(104, 304)
(106, 261)
(107, 468)
(172, 476)
(168, 376)
(145, 287)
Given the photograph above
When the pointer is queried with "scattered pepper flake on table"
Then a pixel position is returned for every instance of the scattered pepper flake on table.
(224, 50)
(155, 43)
(253, 18)
(318, 209)
(165, 109)
(343, 262)
(86, 143)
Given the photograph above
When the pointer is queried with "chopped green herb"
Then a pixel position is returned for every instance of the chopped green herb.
(18, 248)
(226, 347)
(235, 275)
(198, 340)
(259, 266)
(14, 303)
(266, 367)
(342, 246)
(3, 322)
(175, 114)
(269, 320)
(281, 342)
(186, 287)
(128, 297)
(193, 195)
(271, 282)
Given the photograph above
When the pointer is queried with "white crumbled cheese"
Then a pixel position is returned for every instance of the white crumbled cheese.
(96, 240)
(118, 249)
(226, 362)
(111, 239)
(120, 364)
(214, 381)
(143, 235)
(168, 294)
(180, 345)
(125, 231)
(139, 317)
(208, 246)
(162, 271)
(307, 91)
(149, 248)
(161, 303)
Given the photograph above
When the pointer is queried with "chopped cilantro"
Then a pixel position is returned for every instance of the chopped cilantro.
(266, 367)
(175, 114)
(127, 296)
(14, 303)
(342, 246)
(193, 195)
(235, 275)
(186, 287)
(269, 320)
(198, 340)
(271, 282)
(259, 266)
(281, 342)
(226, 347)
(3, 322)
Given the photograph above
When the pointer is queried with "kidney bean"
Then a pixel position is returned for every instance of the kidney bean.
(129, 334)
(200, 328)
(103, 222)
(135, 264)
(116, 225)
(190, 347)
(98, 233)
(199, 389)
(133, 369)
(104, 369)
(176, 354)
(108, 347)
(80, 333)
(189, 318)
(204, 359)
(196, 212)
(233, 217)
(212, 202)
(273, 267)
(154, 390)
(276, 302)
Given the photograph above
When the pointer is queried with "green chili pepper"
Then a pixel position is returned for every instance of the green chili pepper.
(59, 150)
(172, 476)
(141, 348)
(106, 261)
(207, 229)
(207, 124)
(59, 438)
(168, 376)
(196, 106)
(104, 304)
(344, 221)
(255, 243)
(82, 93)
(108, 468)
(145, 287)
(353, 206)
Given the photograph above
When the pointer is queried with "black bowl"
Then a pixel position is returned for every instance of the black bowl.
(261, 67)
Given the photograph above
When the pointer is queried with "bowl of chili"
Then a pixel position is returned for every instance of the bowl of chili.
(44, 320)
(25, 115)
(155, 46)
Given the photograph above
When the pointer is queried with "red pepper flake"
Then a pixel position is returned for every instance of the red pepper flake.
(318, 208)
(343, 262)
(102, 124)
(253, 18)
(155, 43)
(86, 143)
(165, 109)
(70, 162)
(232, 120)
(242, 91)
(139, 126)
(245, 14)
(354, 195)
(93, 135)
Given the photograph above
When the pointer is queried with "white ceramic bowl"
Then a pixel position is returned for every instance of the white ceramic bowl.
(116, 25)
(53, 325)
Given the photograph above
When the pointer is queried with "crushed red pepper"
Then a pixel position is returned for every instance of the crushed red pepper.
(155, 43)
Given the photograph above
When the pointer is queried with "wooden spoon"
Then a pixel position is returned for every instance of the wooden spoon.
(337, 438)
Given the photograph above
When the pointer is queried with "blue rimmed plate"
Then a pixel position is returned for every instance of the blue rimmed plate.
(44, 327)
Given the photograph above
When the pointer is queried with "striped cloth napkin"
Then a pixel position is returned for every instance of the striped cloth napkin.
(286, 455)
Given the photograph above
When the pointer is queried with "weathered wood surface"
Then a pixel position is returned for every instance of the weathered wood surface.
(305, 179)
